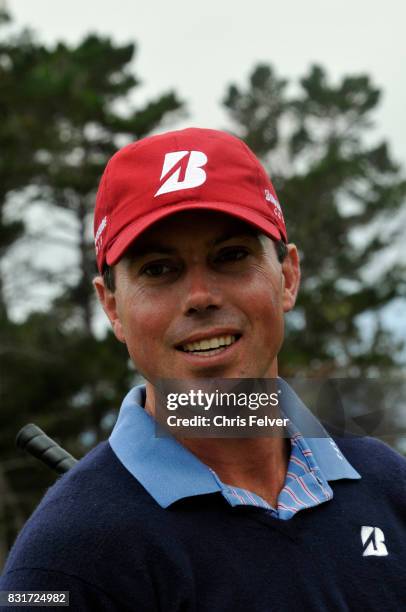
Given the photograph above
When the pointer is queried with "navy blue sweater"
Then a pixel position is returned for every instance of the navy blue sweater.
(98, 534)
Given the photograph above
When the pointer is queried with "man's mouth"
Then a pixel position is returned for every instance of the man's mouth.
(209, 346)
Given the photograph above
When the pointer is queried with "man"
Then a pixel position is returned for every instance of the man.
(196, 274)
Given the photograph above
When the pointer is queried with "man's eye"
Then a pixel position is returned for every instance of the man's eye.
(156, 269)
(232, 254)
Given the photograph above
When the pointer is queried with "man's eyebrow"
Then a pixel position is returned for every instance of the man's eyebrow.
(141, 251)
(254, 233)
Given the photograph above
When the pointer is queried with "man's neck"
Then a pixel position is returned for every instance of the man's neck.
(256, 464)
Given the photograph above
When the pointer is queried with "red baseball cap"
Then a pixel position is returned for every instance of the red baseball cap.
(181, 170)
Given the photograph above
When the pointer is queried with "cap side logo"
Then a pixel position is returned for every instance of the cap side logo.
(182, 170)
(98, 239)
(271, 199)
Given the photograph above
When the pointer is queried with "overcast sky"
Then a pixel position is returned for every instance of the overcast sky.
(200, 47)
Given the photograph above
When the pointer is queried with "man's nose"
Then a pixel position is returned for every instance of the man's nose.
(202, 291)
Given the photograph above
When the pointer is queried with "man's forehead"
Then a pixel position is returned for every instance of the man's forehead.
(212, 226)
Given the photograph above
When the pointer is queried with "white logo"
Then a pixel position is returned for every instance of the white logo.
(98, 238)
(271, 198)
(373, 542)
(182, 170)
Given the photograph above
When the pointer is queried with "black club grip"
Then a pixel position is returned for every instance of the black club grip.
(35, 441)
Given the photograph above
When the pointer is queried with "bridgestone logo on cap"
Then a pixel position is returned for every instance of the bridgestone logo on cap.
(182, 170)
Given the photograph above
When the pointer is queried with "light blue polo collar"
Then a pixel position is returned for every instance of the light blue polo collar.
(327, 455)
(169, 472)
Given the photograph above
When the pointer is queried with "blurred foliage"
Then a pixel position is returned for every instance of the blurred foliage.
(64, 110)
(341, 197)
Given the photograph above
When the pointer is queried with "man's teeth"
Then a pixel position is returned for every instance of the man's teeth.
(213, 343)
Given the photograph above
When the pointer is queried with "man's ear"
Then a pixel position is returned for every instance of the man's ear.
(108, 301)
(291, 275)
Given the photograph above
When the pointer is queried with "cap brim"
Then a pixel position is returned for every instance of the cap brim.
(135, 229)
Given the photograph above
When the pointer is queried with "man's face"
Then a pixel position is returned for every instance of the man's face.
(202, 276)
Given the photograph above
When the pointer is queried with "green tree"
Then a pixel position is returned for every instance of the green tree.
(23, 122)
(341, 197)
(64, 110)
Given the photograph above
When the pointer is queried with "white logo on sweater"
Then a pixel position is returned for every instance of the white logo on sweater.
(373, 542)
